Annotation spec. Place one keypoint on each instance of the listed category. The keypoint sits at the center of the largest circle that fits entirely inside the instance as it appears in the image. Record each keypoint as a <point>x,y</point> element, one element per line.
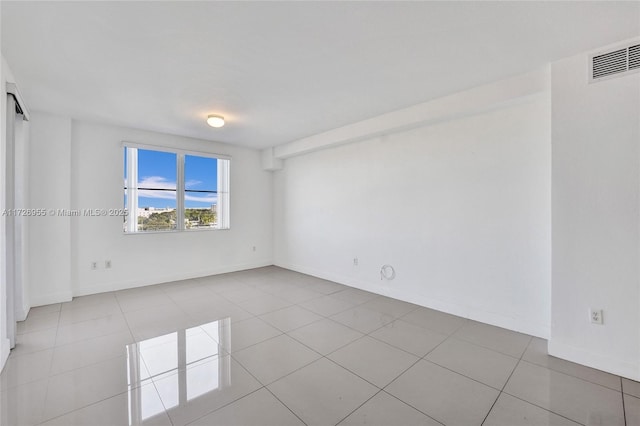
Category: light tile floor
<point>274,347</point>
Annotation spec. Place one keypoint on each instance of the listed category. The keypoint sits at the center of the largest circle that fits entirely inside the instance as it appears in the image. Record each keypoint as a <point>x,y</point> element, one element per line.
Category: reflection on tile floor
<point>274,347</point>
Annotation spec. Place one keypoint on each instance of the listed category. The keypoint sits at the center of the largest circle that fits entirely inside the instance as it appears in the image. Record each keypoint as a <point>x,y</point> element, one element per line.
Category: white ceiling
<point>282,71</point>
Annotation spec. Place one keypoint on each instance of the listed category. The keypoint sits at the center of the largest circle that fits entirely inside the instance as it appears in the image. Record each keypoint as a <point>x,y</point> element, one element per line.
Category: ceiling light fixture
<point>215,120</point>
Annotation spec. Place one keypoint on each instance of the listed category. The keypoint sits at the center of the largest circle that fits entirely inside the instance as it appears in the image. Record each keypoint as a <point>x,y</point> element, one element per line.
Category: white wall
<point>22,223</point>
<point>50,180</point>
<point>596,232</point>
<point>461,209</point>
<point>77,165</point>
<point>5,74</point>
<point>97,176</point>
<point>21,147</point>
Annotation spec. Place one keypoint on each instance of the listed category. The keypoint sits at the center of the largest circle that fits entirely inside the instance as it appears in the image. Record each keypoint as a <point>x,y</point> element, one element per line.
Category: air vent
<point>634,57</point>
<point>610,63</point>
<point>615,62</point>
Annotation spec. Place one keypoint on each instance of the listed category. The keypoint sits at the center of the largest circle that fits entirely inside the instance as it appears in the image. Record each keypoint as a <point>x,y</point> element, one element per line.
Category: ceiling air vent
<point>616,62</point>
<point>634,57</point>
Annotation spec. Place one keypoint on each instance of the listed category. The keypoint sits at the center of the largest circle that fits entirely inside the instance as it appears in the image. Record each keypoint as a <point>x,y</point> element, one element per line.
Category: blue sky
<point>157,169</point>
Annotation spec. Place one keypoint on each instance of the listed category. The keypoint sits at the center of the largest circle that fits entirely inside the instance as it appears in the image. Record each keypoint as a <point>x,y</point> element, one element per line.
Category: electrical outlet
<point>94,265</point>
<point>355,261</point>
<point>107,264</point>
<point>596,316</point>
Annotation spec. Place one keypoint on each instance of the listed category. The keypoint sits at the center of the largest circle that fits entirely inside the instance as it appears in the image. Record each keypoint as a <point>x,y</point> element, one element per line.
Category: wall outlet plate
<point>595,315</point>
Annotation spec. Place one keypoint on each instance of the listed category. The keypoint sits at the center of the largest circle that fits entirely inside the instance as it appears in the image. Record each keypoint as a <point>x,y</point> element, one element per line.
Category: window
<point>172,190</point>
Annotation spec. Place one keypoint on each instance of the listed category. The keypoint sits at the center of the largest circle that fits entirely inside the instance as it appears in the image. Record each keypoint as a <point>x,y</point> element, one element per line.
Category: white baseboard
<point>492,318</point>
<point>4,352</point>
<point>48,299</point>
<point>66,296</point>
<point>619,367</point>
<point>22,312</point>
<point>123,285</point>
<point>349,281</point>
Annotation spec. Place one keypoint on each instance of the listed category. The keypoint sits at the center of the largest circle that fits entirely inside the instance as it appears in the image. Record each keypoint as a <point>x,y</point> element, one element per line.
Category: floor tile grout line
<point>521,360</point>
<point>435,347</point>
<point>32,319</point>
<point>312,362</point>
<point>394,346</point>
<point>384,389</point>
<point>401,373</point>
<point>355,329</point>
<point>52,375</point>
<point>575,376</point>
<point>316,296</point>
<point>381,312</point>
<point>39,330</point>
<point>366,380</point>
<point>486,416</point>
<point>460,374</point>
<point>254,344</point>
<point>448,334</point>
<point>11,354</point>
<point>151,381</point>
<point>415,408</point>
<point>293,329</point>
<point>455,372</point>
<point>487,347</point>
<point>358,407</point>
<point>297,305</point>
<point>505,383</point>
<point>330,315</point>
<point>359,331</point>
<point>624,409</point>
<point>328,353</point>
<point>390,344</point>
<point>126,321</point>
<point>379,389</point>
<point>279,378</point>
<point>411,366</point>
<point>94,403</point>
<point>52,349</point>
<point>262,386</point>
<point>286,406</point>
<point>219,408</point>
<point>453,337</point>
<point>109,333</point>
<point>263,313</point>
<point>355,304</point>
<point>542,408</point>
<point>46,393</point>
<point>155,305</point>
<point>67,324</point>
<point>572,376</point>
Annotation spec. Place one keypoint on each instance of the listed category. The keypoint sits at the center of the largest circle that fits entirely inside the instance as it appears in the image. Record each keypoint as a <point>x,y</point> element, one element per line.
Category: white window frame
<point>223,189</point>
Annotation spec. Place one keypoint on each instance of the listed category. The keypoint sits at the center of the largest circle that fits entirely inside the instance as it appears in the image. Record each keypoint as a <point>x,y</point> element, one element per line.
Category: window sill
<point>176,231</point>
